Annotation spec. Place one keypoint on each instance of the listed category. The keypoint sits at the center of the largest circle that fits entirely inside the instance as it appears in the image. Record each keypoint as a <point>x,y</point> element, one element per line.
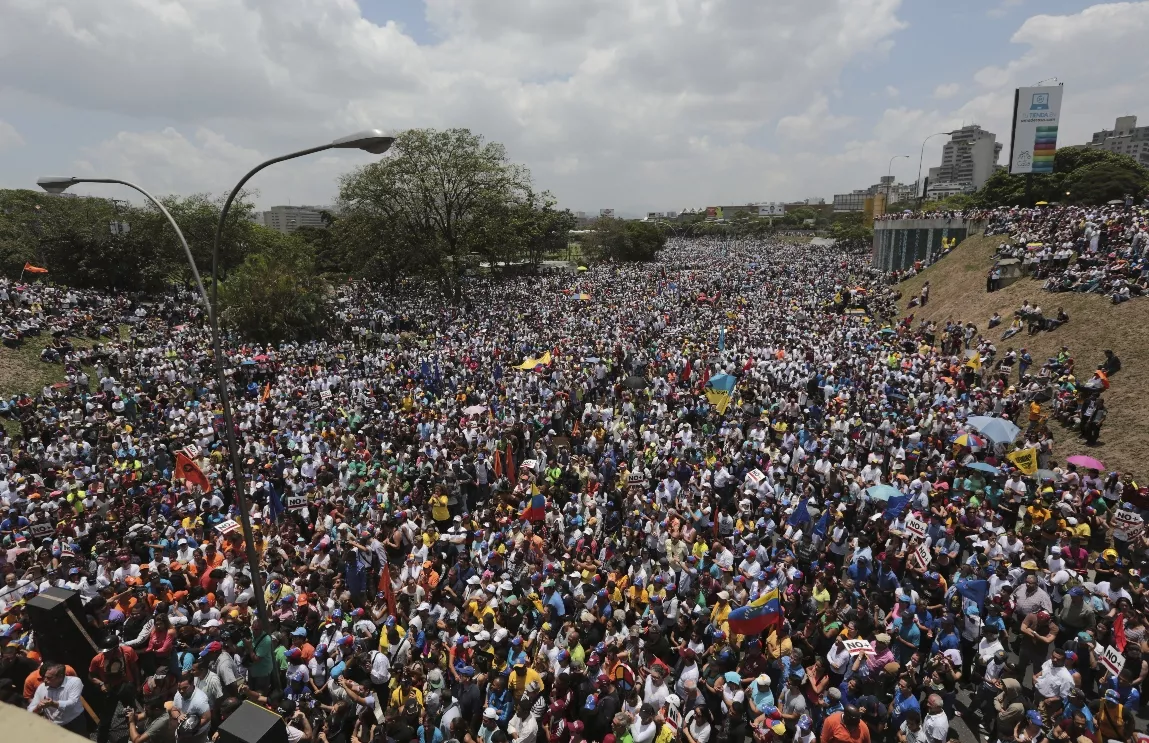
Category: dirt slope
<point>957,291</point>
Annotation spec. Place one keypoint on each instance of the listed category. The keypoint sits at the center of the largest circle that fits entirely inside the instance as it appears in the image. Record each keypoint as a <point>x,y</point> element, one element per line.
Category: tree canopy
<point>1081,175</point>
<point>439,198</point>
<point>621,240</point>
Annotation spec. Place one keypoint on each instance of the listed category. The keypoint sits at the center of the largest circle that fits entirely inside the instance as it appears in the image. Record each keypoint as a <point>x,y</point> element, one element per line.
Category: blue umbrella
<point>983,467</point>
<point>883,492</point>
<point>998,430</point>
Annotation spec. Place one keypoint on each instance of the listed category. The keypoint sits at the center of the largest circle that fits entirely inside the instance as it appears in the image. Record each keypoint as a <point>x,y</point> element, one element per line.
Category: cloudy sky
<point>632,104</point>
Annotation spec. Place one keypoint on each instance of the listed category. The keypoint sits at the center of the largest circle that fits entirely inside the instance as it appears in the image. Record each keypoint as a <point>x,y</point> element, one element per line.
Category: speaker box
<point>251,723</point>
<point>57,636</point>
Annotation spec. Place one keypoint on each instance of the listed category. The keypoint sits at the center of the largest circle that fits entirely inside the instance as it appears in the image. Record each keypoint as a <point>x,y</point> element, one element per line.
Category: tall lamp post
<point>889,171</point>
<point>922,192</point>
<point>373,141</point>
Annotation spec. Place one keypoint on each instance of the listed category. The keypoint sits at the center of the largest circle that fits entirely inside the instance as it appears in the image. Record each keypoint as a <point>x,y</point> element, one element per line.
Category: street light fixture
<point>59,184</point>
<point>921,156</point>
<point>372,140</point>
<point>889,171</point>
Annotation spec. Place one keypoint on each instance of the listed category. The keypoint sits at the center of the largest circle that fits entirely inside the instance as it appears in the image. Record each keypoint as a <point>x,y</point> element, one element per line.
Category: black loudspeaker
<point>58,637</point>
<point>251,723</point>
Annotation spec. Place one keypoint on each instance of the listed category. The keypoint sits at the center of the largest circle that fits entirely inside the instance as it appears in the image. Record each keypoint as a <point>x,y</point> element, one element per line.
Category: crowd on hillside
<point>1079,249</point>
<point>726,495</point>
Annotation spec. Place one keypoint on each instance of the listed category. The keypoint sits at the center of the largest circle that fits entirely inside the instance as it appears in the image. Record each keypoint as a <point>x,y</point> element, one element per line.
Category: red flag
<point>188,470</point>
<point>1119,633</point>
<point>29,268</point>
<point>509,466</point>
<point>498,464</point>
<point>388,589</point>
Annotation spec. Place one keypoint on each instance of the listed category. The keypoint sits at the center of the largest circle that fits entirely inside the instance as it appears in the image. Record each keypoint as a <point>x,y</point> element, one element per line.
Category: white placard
<point>858,647</point>
<point>530,463</point>
<point>39,531</point>
<point>1112,659</point>
<point>1129,522</point>
<point>325,395</point>
<point>922,555</point>
<point>916,527</point>
<point>754,477</point>
<point>295,502</point>
<point>674,717</point>
<point>226,527</point>
<point>635,478</point>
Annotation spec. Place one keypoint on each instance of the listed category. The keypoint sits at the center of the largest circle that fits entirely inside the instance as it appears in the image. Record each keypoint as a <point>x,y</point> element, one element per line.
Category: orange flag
<point>510,465</point>
<point>498,464</point>
<point>29,268</point>
<point>188,470</point>
<point>266,392</point>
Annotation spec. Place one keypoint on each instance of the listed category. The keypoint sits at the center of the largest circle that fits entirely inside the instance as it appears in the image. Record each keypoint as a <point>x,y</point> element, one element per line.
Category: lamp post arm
<point>171,220</point>
<point>231,198</point>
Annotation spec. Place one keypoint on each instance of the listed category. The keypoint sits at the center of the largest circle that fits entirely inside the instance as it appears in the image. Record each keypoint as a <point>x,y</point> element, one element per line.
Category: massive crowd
<point>539,516</point>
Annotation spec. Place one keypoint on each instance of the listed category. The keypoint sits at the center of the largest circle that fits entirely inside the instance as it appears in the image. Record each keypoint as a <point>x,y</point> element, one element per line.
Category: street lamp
<point>889,170</point>
<point>371,140</point>
<point>922,193</point>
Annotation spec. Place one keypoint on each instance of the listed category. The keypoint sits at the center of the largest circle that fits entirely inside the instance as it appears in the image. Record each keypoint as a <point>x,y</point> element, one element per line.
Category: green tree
<point>850,231</point>
<point>1088,174</point>
<point>438,196</point>
<point>624,240</point>
<point>1104,181</point>
<point>276,294</point>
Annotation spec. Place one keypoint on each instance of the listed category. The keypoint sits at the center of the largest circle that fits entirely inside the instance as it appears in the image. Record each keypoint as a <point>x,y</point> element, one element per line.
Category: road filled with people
<point>726,495</point>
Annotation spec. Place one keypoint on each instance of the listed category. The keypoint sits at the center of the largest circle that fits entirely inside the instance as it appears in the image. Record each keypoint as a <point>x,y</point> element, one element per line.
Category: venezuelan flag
<point>718,390</point>
<point>536,510</point>
<point>762,612</point>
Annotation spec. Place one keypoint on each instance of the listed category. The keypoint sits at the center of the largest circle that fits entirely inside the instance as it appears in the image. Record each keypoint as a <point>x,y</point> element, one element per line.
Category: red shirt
<point>123,669</point>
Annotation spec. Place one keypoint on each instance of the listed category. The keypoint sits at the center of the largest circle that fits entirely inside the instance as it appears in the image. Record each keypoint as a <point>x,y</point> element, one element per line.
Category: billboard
<point>772,209</point>
<point>714,212</point>
<point>652,216</point>
<point>1033,143</point>
<point>606,212</point>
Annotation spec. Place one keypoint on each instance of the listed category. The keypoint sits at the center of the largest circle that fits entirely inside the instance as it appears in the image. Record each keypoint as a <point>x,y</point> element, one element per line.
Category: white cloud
<point>635,101</point>
<point>946,90</point>
<point>812,124</point>
<point>1097,52</point>
<point>1005,7</point>
<point>891,91</point>
<point>168,162</point>
<point>9,137</point>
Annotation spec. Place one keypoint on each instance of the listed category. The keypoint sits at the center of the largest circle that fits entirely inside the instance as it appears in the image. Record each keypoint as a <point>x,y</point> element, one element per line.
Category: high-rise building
<point>1125,138</point>
<point>288,219</point>
<point>968,159</point>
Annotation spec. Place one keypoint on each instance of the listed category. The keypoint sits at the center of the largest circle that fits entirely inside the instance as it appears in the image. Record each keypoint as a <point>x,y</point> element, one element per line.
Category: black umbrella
<point>636,383</point>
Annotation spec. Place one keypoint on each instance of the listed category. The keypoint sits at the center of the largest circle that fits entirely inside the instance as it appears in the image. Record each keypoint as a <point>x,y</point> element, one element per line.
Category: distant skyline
<point>635,105</point>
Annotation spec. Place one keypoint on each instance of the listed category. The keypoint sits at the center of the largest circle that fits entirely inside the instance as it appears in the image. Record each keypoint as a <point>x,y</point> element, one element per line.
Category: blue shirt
<point>903,704</point>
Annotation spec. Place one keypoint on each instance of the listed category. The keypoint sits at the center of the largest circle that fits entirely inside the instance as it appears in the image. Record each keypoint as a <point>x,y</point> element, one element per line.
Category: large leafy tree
<point>74,237</point>
<point>1081,175</point>
<point>620,240</point>
<point>276,294</point>
<point>439,196</point>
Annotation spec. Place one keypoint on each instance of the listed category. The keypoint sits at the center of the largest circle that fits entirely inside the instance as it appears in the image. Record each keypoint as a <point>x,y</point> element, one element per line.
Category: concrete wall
<point>898,243</point>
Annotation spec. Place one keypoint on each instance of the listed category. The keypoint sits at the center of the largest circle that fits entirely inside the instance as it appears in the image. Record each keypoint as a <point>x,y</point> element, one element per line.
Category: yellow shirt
<point>518,682</point>
<point>397,700</point>
<point>439,510</point>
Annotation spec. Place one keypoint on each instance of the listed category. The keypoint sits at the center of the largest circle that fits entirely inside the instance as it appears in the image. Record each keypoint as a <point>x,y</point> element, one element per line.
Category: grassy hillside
<point>957,291</point>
